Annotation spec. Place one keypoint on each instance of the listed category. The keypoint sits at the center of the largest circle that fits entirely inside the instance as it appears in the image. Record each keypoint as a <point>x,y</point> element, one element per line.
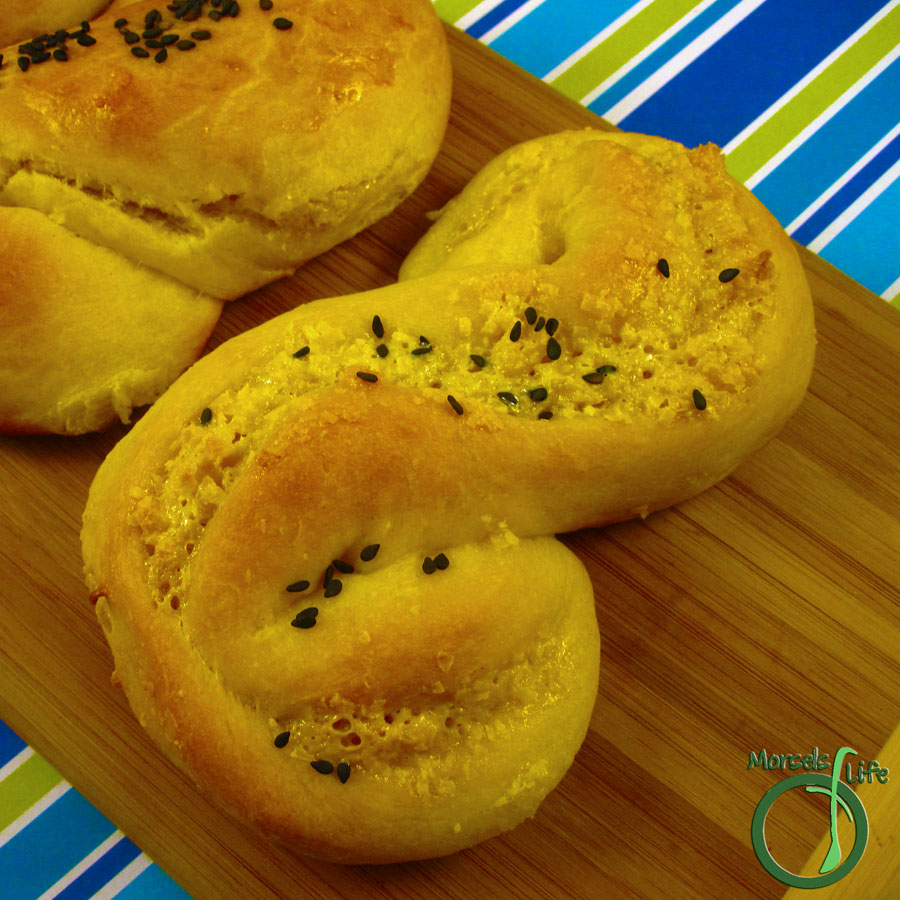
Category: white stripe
<point>473,15</point>
<point>33,812</point>
<point>21,757</point>
<point>507,23</point>
<point>785,98</point>
<point>822,118</point>
<point>892,291</point>
<point>598,38</point>
<point>638,58</point>
<point>826,195</point>
<point>682,60</point>
<point>855,208</point>
<point>123,879</point>
<point>85,864</point>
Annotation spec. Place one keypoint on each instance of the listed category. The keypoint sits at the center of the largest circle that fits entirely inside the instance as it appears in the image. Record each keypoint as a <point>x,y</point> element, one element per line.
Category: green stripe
<point>895,301</point>
<point>777,131</point>
<point>453,10</point>
<point>22,788</point>
<point>622,45</point>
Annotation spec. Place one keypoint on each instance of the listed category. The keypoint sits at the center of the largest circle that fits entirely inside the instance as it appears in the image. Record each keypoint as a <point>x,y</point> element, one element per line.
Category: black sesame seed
<point>232,9</point>
<point>306,618</point>
<point>282,24</point>
<point>553,348</point>
<point>594,377</point>
<point>206,415</point>
<point>153,44</point>
<point>343,771</point>
<point>322,766</point>
<point>377,327</point>
<point>333,587</point>
<point>530,315</point>
<point>151,33</point>
<point>727,275</point>
<point>266,4</point>
<point>40,57</point>
<point>185,44</point>
<point>421,351</point>
<point>428,566</point>
<point>85,40</point>
<point>546,414</point>
<point>342,566</point>
<point>61,55</point>
<point>457,406</point>
<point>297,587</point>
<point>215,15</point>
<point>538,326</point>
<point>606,369</point>
<point>663,266</point>
<point>167,39</point>
<point>423,340</point>
<point>515,332</point>
<point>24,62</point>
<point>699,399</point>
<point>120,23</point>
<point>508,398</point>
<point>131,37</point>
<point>382,350</point>
<point>441,562</point>
<point>161,55</point>
<point>299,354</point>
<point>52,41</point>
<point>329,574</point>
<point>152,17</point>
<point>367,554</point>
<point>552,325</point>
<point>371,377</point>
<point>479,360</point>
<point>538,394</point>
<point>282,739</point>
<point>1,60</point>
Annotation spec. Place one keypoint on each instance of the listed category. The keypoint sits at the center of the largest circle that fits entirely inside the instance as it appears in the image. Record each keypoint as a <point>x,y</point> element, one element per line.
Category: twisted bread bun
<point>534,372</point>
<point>223,161</point>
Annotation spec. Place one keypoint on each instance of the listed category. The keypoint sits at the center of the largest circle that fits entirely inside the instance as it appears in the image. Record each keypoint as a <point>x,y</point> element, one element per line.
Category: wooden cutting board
<point>763,614</point>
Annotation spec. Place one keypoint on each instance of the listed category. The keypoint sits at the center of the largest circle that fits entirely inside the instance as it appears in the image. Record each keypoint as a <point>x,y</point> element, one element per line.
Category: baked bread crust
<point>302,442</point>
<point>25,19</point>
<point>220,168</point>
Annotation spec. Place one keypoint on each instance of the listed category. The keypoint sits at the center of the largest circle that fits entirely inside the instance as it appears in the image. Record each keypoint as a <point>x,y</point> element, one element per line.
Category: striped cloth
<point>802,95</point>
<point>804,98</point>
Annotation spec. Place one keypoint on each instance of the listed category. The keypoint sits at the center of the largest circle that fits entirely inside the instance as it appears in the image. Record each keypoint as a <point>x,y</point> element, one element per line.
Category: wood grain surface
<point>763,614</point>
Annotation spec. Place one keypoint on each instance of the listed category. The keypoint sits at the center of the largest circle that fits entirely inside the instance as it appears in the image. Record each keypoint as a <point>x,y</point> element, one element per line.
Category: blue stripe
<point>496,15</point>
<point>747,70</point>
<point>96,876</point>
<point>834,148</point>
<point>862,249</point>
<point>48,847</point>
<point>153,884</point>
<point>555,30</point>
<point>672,47</point>
<point>10,744</point>
<point>854,188</point>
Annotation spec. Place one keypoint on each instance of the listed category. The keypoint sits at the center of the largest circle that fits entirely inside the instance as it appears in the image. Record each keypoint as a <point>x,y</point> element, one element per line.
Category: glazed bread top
<point>598,327</point>
<point>232,161</point>
<point>25,19</point>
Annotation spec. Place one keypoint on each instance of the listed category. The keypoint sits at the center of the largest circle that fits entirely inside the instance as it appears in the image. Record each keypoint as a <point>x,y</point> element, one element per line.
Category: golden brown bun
<point>85,334</point>
<point>458,698</point>
<point>25,19</point>
<point>230,164</point>
<point>214,171</point>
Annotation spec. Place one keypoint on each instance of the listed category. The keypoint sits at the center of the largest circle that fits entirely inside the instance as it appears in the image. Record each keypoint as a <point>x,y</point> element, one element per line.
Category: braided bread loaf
<point>217,147</point>
<point>324,559</point>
